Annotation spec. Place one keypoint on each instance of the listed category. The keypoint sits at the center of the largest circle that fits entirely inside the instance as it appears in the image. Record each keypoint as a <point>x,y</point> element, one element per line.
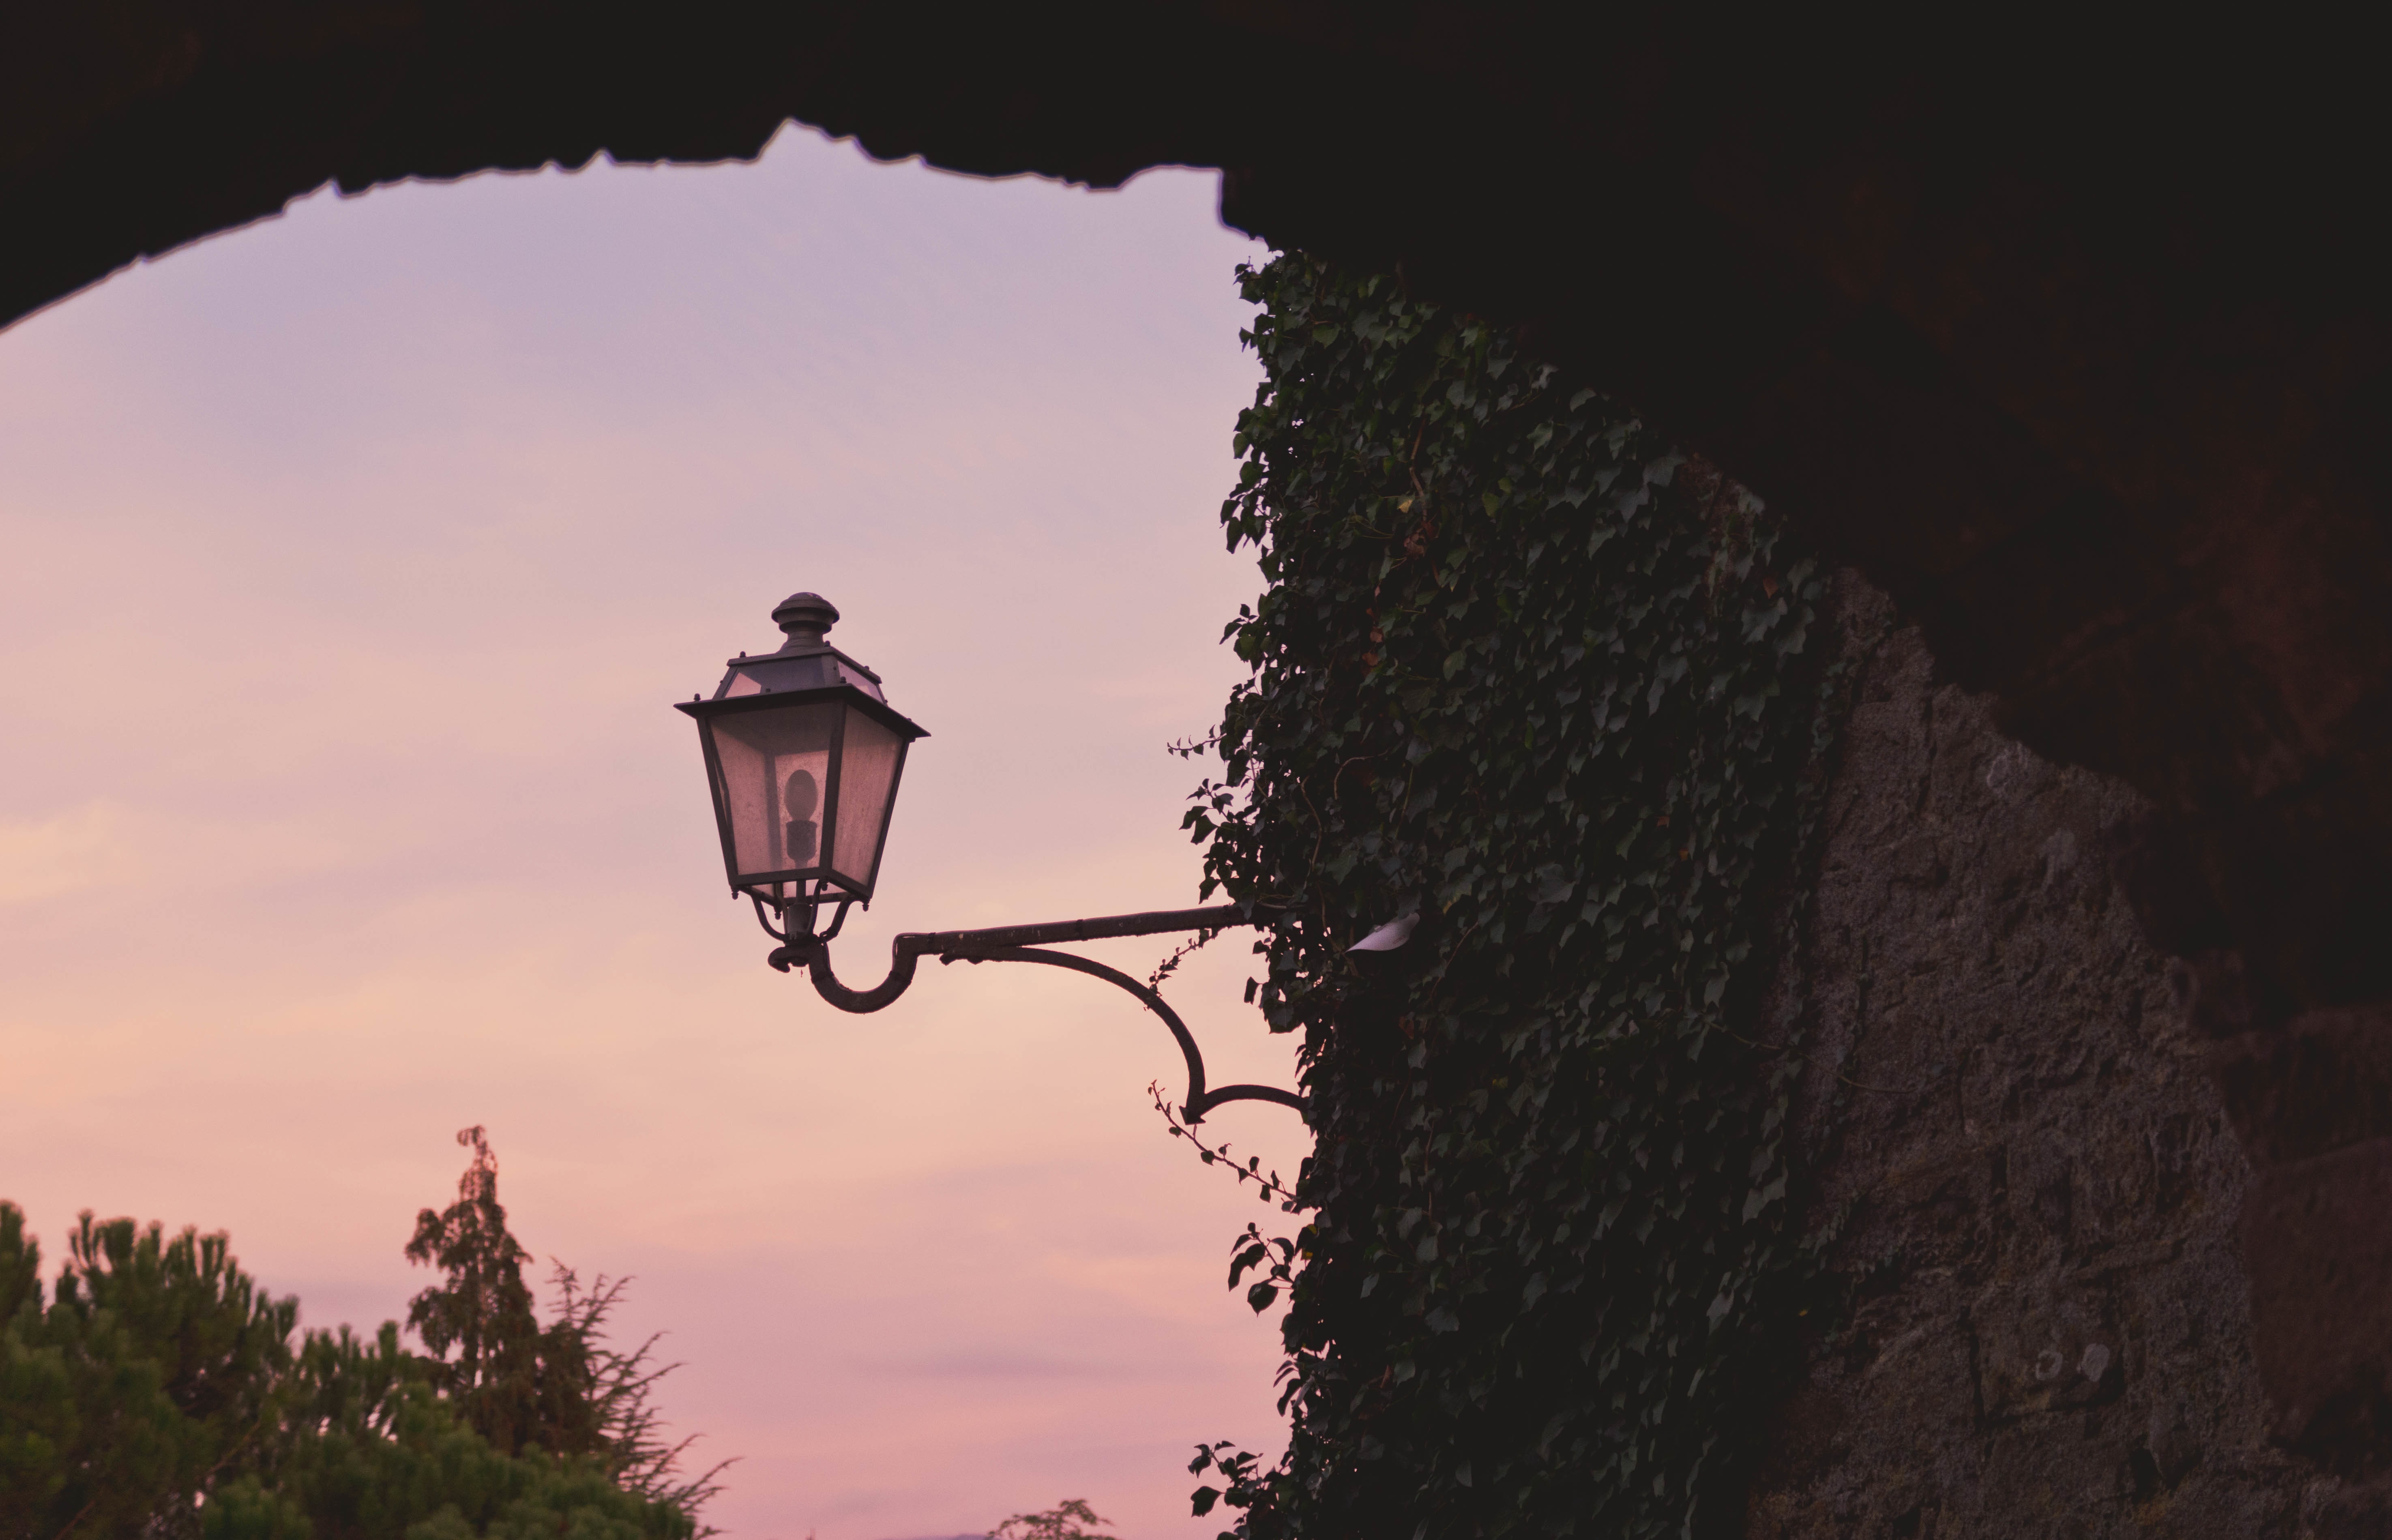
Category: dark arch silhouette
<point>2075,338</point>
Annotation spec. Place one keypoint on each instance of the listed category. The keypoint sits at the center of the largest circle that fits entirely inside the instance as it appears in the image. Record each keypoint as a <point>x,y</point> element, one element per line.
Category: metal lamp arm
<point>826,984</point>
<point>1025,944</point>
<point>1200,1101</point>
<point>812,952</point>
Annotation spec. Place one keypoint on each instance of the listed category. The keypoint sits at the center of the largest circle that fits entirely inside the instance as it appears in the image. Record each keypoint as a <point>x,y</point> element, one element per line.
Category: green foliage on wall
<point>1525,672</point>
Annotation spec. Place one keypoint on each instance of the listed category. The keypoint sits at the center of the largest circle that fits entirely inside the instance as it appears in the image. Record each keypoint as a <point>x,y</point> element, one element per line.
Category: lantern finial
<point>804,617</point>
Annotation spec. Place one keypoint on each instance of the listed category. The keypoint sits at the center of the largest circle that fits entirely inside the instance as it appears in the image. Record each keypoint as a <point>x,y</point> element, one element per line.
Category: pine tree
<point>151,1370</point>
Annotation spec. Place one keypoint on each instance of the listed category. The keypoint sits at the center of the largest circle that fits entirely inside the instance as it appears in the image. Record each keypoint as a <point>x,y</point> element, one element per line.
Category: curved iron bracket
<point>1023,944</point>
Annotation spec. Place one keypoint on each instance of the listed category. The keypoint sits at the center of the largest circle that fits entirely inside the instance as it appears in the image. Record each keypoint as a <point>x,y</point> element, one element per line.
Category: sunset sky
<point>351,563</point>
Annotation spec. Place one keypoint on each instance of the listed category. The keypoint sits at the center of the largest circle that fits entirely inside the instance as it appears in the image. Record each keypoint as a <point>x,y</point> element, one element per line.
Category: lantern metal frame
<point>823,876</point>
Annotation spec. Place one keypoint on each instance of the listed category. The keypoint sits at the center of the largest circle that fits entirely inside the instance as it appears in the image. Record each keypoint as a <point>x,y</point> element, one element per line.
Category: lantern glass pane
<point>776,771</point>
<point>867,775</point>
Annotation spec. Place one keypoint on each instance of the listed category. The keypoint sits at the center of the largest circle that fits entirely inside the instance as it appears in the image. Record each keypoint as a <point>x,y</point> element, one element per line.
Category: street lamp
<point>803,755</point>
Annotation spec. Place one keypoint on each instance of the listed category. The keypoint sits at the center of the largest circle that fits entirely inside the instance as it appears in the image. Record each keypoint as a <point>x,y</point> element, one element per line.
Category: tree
<point>1060,1522</point>
<point>371,1451</point>
<point>150,1371</point>
<point>621,1388</point>
<point>155,1389</point>
<point>563,1388</point>
<point>517,1384</point>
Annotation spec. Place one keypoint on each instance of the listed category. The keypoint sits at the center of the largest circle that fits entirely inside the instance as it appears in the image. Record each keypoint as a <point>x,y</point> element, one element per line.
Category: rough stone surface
<point>2042,1199</point>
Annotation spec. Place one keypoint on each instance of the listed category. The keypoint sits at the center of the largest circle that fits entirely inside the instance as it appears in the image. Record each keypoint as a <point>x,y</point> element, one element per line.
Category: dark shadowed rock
<point>2110,1274</point>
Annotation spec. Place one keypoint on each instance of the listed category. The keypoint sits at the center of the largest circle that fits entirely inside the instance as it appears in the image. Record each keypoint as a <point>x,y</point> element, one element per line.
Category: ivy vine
<point>1525,672</point>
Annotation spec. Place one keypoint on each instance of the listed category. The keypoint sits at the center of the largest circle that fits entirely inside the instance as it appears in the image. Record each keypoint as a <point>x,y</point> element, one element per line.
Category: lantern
<point>803,755</point>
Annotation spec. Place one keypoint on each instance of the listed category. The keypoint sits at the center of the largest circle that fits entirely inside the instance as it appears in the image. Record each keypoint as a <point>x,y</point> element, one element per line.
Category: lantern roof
<point>804,662</point>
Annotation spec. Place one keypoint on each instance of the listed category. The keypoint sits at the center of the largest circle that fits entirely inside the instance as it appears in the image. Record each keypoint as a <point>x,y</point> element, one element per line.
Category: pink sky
<point>350,564</point>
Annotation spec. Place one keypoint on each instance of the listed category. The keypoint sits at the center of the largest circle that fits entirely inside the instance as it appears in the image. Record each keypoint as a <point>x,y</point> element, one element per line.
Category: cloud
<point>87,848</point>
<point>109,844</point>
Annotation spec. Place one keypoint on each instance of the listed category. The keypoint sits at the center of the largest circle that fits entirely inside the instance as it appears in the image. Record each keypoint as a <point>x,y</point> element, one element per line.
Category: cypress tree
<point>516,1384</point>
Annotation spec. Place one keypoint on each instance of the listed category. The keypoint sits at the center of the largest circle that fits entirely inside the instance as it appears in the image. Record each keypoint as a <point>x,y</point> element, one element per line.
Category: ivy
<point>1526,673</point>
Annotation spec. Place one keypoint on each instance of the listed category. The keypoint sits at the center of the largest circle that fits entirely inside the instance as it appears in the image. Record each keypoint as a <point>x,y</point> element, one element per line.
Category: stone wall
<point>2040,1197</point>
